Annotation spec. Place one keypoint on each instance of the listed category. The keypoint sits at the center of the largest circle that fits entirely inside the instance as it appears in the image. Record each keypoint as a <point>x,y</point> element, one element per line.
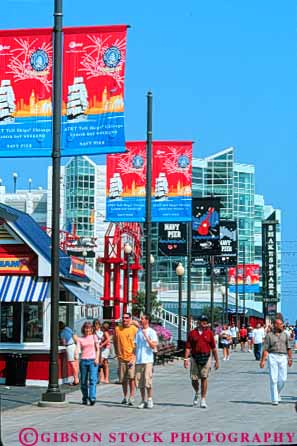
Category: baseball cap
<point>203,317</point>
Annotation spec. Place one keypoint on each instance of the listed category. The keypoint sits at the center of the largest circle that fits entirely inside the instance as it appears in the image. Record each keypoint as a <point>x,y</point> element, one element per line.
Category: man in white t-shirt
<point>258,339</point>
<point>146,341</point>
<point>234,334</point>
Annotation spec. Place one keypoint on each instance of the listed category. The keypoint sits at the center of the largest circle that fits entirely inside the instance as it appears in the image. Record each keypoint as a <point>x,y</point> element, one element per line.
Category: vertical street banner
<point>248,278</point>
<point>228,243</point>
<point>93,90</point>
<point>172,239</point>
<point>26,60</point>
<point>269,260</point>
<point>125,184</point>
<point>172,181</point>
<point>206,226</point>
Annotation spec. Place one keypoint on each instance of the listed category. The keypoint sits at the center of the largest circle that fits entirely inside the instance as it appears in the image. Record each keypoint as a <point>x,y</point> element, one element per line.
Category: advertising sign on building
<point>228,242</point>
<point>248,277</point>
<point>171,183</point>
<point>77,267</point>
<point>172,239</point>
<point>206,226</point>
<point>93,89</point>
<point>269,268</point>
<point>17,265</point>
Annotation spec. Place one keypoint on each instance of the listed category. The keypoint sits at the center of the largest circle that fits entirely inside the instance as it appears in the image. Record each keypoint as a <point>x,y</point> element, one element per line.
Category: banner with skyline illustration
<point>93,91</point>
<point>171,182</point>
<point>248,278</point>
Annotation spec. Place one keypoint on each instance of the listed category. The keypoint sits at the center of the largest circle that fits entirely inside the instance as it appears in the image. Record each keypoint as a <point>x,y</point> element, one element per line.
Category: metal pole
<point>189,275</point>
<point>243,282</point>
<point>226,295</point>
<point>148,204</point>
<point>1,442</point>
<point>179,337</point>
<point>236,280</point>
<point>53,393</point>
<point>212,291</point>
<point>128,281</point>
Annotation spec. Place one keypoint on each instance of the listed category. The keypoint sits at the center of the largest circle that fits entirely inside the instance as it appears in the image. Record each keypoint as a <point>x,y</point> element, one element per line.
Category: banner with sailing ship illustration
<point>125,184</point>
<point>93,91</point>
<point>25,92</point>
<point>171,182</point>
<point>206,226</point>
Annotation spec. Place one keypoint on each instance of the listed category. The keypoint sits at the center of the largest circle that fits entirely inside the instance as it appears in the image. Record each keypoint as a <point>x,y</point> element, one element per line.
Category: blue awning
<point>83,296</point>
<point>23,289</point>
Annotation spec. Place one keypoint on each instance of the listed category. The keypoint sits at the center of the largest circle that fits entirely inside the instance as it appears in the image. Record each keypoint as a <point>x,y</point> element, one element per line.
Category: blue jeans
<point>258,351</point>
<point>88,378</point>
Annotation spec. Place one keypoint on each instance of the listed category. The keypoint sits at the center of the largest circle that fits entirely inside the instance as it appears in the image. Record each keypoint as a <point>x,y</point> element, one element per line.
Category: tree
<point>138,306</point>
<point>217,313</point>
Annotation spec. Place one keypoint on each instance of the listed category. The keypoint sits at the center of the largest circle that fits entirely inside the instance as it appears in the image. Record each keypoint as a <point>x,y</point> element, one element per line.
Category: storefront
<point>25,271</point>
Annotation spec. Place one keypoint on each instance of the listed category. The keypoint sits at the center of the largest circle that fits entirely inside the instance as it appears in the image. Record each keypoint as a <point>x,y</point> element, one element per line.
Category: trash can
<point>16,369</point>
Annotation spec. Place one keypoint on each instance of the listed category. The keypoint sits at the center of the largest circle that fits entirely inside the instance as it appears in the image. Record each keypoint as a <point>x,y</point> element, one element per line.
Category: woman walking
<point>88,345</point>
<point>105,352</point>
<point>226,339</point>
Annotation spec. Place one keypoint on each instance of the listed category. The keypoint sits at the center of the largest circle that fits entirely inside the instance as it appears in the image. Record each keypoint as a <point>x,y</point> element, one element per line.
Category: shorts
<point>243,339</point>
<point>225,345</point>
<point>199,371</point>
<point>144,375</point>
<point>126,373</point>
<point>234,341</point>
<point>105,353</point>
<point>70,350</point>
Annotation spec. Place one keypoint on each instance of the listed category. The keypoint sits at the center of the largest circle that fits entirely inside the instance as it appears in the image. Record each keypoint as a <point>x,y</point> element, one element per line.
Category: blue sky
<point>222,73</point>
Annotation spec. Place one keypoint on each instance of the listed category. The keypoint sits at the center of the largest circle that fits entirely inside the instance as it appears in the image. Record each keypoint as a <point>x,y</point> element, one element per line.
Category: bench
<point>166,353</point>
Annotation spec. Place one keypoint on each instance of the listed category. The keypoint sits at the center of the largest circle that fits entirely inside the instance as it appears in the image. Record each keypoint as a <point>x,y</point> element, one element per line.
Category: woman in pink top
<point>89,361</point>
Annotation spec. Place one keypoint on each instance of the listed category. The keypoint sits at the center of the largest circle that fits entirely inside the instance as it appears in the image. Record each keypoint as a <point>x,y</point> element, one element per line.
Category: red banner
<point>171,182</point>
<point>248,275</point>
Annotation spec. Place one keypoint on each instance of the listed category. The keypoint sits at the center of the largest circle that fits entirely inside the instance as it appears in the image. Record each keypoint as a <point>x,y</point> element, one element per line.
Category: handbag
<point>201,358</point>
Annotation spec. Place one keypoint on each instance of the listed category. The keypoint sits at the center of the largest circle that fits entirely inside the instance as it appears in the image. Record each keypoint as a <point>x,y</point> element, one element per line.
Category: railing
<point>172,318</point>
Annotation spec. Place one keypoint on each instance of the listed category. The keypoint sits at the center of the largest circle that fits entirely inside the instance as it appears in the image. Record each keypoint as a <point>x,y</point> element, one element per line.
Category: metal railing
<point>172,318</point>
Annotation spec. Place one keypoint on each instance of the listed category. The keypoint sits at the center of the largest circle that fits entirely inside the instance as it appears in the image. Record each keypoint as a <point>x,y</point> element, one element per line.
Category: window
<point>33,323</point>
<point>14,316</point>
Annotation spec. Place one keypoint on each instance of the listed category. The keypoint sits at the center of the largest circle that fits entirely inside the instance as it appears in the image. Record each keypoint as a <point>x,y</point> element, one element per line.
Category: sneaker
<point>275,403</point>
<point>228,358</point>
<point>195,400</point>
<point>85,402</point>
<point>279,398</point>
<point>130,402</point>
<point>142,405</point>
<point>92,402</point>
<point>124,401</point>
<point>203,404</point>
<point>150,404</point>
<point>224,359</point>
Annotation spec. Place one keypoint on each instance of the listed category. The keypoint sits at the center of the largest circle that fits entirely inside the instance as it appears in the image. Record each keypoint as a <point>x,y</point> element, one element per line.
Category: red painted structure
<point>115,261</point>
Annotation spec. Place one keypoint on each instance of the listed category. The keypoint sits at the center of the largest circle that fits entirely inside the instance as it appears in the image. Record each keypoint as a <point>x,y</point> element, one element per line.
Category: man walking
<point>146,341</point>
<point>124,344</point>
<point>234,333</point>
<point>277,349</point>
<point>258,337</point>
<point>200,344</point>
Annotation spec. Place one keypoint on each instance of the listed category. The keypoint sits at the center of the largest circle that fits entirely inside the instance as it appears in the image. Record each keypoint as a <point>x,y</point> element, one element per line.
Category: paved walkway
<point>238,402</point>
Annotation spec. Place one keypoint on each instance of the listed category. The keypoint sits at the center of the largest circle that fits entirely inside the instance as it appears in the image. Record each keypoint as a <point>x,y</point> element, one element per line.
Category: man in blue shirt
<point>146,341</point>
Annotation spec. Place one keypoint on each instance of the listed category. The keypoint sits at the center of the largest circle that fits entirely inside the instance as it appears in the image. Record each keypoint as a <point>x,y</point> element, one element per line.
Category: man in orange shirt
<point>124,344</point>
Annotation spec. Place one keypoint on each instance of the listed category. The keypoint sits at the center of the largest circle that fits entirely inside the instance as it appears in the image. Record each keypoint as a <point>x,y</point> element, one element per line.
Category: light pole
<point>15,177</point>
<point>223,293</point>
<point>30,184</point>
<point>180,271</point>
<point>128,252</point>
<point>243,281</point>
<point>148,204</point>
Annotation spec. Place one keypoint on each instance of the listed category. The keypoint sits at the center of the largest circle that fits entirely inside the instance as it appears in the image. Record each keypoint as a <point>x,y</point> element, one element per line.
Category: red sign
<point>248,274</point>
<point>17,265</point>
<point>77,267</point>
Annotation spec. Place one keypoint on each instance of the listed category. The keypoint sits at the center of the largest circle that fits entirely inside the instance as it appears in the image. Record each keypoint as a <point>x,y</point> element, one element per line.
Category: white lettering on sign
<point>171,226</point>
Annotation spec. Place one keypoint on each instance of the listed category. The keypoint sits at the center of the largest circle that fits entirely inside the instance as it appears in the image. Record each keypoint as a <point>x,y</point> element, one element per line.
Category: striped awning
<point>23,289</point>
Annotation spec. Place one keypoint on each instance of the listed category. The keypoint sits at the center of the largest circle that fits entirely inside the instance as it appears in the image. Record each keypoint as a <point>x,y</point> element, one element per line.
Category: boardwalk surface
<point>238,403</point>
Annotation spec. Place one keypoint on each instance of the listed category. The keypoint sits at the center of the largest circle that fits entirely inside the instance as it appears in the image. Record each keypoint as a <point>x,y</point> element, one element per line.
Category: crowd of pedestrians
<point>135,343</point>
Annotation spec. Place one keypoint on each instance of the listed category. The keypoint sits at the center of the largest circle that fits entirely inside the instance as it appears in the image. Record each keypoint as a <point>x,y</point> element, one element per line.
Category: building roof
<point>38,239</point>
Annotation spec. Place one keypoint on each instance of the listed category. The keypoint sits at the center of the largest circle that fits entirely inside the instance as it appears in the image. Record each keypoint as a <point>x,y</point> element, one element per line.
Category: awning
<point>80,294</point>
<point>23,289</point>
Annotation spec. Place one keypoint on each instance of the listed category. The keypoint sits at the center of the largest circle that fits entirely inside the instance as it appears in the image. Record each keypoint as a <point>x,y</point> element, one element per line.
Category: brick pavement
<point>238,401</point>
